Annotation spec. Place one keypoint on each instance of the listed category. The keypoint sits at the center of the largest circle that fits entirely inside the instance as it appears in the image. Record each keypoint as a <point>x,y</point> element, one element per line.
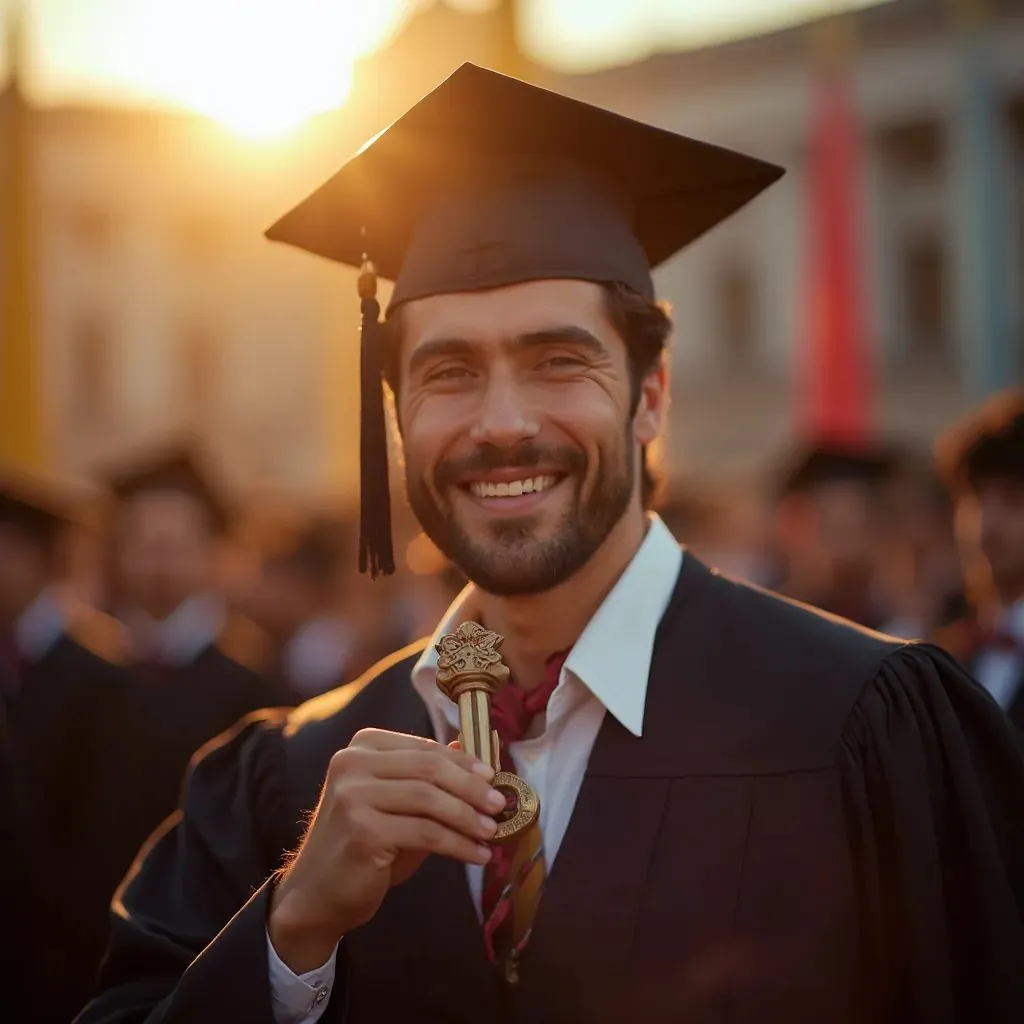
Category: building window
<point>923,283</point>
<point>201,357</point>
<point>1016,117</point>
<point>735,300</point>
<point>91,381</point>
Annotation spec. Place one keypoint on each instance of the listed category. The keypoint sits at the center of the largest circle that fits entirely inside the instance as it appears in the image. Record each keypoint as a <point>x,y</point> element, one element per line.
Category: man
<point>296,601</point>
<point>193,662</point>
<point>59,687</point>
<point>982,460</point>
<point>747,809</point>
<point>828,524</point>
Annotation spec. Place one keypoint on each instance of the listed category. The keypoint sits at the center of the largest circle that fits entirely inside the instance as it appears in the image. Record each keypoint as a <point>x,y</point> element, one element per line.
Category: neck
<point>535,626</point>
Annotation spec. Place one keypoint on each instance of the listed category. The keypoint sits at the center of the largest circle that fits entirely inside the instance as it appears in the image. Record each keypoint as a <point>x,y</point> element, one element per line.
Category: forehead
<point>162,510</point>
<point>501,313</point>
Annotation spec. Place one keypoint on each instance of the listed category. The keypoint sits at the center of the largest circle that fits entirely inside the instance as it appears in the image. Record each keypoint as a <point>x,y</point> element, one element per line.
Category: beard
<point>512,560</point>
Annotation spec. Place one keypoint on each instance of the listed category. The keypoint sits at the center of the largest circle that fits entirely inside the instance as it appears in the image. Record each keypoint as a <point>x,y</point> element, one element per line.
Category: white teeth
<point>512,489</point>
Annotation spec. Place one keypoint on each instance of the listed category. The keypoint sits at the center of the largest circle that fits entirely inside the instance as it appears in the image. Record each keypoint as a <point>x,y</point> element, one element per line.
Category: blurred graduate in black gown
<point>59,687</point>
<point>982,461</point>
<point>194,662</point>
<point>829,529</point>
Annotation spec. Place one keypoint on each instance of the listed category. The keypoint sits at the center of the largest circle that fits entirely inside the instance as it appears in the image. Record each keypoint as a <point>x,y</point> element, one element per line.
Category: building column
<point>982,221</point>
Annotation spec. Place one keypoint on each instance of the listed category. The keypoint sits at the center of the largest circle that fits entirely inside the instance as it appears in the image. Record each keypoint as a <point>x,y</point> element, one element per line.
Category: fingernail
<point>487,825</point>
<point>484,853</point>
<point>496,799</point>
<point>483,769</point>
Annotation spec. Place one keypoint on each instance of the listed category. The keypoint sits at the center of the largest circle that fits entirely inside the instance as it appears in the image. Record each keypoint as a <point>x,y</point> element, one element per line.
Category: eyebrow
<point>578,337</point>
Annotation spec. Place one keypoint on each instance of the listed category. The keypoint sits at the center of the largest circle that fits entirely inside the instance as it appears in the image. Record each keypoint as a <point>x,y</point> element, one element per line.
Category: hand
<point>388,801</point>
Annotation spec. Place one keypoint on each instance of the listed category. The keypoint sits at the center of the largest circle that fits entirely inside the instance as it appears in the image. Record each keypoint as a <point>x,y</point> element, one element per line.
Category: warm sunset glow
<point>260,67</point>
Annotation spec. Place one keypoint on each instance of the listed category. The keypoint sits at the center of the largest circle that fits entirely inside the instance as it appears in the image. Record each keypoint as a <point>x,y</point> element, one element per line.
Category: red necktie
<point>515,869</point>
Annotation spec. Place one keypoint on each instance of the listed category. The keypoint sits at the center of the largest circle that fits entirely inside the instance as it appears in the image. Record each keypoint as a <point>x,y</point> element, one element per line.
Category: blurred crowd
<point>133,632</point>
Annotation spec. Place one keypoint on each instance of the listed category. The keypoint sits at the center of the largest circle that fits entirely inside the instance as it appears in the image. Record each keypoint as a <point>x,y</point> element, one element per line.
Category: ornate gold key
<point>469,671</point>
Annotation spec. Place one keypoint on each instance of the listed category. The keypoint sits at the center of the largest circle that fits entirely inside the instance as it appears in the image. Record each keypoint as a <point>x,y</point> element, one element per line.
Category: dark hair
<point>644,326</point>
<point>987,445</point>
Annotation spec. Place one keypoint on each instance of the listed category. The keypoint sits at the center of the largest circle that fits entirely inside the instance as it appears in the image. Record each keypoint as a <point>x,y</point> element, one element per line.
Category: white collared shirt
<point>1000,671</point>
<point>192,627</point>
<point>41,624</point>
<point>606,672</point>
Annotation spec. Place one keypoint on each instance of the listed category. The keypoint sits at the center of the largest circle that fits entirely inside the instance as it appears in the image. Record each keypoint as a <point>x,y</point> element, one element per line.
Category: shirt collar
<point>612,656</point>
<point>41,625</point>
<point>1012,620</point>
<point>193,626</point>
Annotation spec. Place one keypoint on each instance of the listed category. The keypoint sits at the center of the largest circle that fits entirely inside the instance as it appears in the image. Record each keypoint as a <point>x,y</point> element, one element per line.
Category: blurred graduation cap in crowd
<point>489,181</point>
<point>987,444</point>
<point>177,467</point>
<point>314,551</point>
<point>818,465</point>
<point>38,507</point>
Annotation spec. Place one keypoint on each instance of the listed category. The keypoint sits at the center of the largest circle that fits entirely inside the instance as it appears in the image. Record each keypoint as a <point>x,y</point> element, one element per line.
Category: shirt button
<point>321,995</point>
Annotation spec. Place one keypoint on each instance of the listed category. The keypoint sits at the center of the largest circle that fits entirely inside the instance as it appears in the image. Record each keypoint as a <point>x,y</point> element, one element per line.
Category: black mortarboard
<point>987,444</point>
<point>315,552</point>
<point>177,469</point>
<point>489,181</point>
<point>38,509</point>
<point>820,465</point>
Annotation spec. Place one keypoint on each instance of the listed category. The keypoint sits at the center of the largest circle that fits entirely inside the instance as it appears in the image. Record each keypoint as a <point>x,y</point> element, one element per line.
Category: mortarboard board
<point>823,464</point>
<point>39,508</point>
<point>489,181</point>
<point>177,468</point>
<point>986,444</point>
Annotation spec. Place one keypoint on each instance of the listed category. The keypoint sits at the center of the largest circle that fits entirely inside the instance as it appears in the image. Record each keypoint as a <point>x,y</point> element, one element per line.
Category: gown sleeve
<point>933,777</point>
<point>188,932</point>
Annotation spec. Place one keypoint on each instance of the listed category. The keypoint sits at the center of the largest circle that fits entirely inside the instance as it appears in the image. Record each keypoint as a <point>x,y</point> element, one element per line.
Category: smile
<point>511,488</point>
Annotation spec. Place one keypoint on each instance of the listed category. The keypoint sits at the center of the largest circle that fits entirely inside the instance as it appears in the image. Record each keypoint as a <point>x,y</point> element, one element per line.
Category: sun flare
<point>260,67</point>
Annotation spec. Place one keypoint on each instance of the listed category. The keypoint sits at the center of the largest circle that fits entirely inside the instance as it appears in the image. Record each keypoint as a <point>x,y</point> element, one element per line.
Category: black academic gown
<point>961,638</point>
<point>60,879</point>
<point>168,715</point>
<point>818,824</point>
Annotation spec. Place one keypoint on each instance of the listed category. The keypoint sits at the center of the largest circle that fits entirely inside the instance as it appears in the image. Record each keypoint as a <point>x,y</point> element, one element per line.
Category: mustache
<point>525,455</point>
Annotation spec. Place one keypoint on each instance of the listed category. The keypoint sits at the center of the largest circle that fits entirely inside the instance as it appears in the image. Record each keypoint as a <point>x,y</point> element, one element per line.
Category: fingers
<point>423,800</point>
<point>403,832</point>
<point>382,740</point>
<point>425,766</point>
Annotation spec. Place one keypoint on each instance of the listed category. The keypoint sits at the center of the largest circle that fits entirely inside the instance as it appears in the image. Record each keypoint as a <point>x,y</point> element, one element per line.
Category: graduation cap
<point>175,469</point>
<point>987,444</point>
<point>37,508</point>
<point>823,464</point>
<point>489,181</point>
<point>315,552</point>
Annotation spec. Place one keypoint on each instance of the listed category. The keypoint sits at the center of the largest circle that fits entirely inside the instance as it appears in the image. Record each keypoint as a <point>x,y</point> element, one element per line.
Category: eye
<point>560,362</point>
<point>448,373</point>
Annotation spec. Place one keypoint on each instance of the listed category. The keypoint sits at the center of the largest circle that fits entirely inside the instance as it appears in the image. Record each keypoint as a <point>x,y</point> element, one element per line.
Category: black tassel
<point>376,554</point>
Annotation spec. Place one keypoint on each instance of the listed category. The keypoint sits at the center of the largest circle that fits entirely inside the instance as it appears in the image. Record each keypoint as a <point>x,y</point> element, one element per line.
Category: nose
<point>506,415</point>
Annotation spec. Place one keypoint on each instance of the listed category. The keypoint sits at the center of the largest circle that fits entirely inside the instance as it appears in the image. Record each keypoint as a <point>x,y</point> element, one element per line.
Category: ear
<point>652,408</point>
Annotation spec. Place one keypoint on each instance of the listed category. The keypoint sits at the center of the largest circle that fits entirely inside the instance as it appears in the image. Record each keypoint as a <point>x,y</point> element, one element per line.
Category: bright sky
<point>261,66</point>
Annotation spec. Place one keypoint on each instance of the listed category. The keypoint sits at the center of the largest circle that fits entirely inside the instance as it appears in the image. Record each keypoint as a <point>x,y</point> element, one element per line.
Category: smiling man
<point>748,809</point>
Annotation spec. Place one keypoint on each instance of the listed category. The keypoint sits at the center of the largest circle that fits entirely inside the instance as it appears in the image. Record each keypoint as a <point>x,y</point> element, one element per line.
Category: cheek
<point>589,415</point>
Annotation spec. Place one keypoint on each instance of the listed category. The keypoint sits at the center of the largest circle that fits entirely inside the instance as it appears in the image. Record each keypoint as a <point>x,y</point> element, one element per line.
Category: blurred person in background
<point>195,663</point>
<point>982,460</point>
<point>728,528</point>
<point>828,525</point>
<point>430,587</point>
<point>297,601</point>
<point>918,575</point>
<point>59,687</point>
